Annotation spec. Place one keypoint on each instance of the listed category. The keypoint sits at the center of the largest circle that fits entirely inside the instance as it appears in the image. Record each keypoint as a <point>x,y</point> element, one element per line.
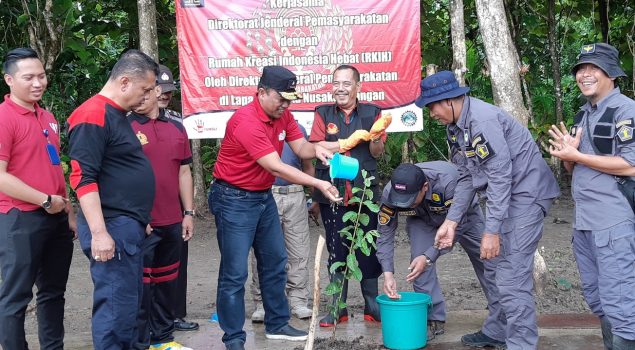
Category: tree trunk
<point>459,55</point>
<point>503,59</point>
<point>603,9</point>
<point>555,67</point>
<point>148,40</point>
<point>45,31</point>
<point>200,198</point>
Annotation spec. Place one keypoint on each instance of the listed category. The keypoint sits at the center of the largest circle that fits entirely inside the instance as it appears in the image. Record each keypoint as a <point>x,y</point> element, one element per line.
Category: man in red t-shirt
<point>165,143</point>
<point>245,210</point>
<point>36,242</point>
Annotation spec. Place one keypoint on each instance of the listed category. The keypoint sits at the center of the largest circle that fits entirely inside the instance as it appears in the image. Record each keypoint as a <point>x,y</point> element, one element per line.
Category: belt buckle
<point>283,190</point>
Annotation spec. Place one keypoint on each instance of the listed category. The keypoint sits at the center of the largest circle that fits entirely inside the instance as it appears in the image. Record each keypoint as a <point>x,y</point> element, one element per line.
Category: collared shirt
<point>23,146</point>
<point>106,157</point>
<point>165,143</point>
<point>498,156</point>
<point>290,158</point>
<point>598,202</point>
<point>442,180</point>
<point>251,134</point>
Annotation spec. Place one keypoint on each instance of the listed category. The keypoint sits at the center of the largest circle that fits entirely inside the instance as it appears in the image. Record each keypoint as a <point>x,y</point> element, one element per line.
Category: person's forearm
<point>186,187</point>
<point>376,148</point>
<point>613,165</point>
<point>16,188</point>
<point>293,175</point>
<point>331,146</point>
<point>91,209</point>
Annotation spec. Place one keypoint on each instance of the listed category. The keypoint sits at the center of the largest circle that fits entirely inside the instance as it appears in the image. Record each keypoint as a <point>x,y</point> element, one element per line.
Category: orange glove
<point>380,126</point>
<point>353,140</point>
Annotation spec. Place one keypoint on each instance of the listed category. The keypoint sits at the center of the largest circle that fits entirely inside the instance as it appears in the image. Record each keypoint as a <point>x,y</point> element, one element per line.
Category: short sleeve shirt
<point>24,136</point>
<point>251,134</point>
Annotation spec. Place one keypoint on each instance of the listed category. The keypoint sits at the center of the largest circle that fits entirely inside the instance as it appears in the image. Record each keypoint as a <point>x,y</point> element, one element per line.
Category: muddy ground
<point>461,288</point>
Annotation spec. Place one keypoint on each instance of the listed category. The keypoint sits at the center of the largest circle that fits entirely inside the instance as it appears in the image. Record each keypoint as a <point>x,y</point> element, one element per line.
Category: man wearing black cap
<point>599,148</point>
<point>165,80</point>
<point>423,193</point>
<point>245,210</point>
<point>497,157</point>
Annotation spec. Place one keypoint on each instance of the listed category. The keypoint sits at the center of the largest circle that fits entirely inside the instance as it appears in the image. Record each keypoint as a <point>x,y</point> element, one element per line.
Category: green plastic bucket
<point>404,322</point>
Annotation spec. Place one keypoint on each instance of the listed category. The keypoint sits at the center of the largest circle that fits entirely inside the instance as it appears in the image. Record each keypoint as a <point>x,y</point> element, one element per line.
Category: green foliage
<point>357,240</point>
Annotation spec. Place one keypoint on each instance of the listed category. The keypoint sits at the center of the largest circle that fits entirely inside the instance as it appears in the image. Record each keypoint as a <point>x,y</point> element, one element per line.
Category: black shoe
<point>435,328</point>
<point>235,346</point>
<point>181,324</point>
<point>287,333</point>
<point>480,340</point>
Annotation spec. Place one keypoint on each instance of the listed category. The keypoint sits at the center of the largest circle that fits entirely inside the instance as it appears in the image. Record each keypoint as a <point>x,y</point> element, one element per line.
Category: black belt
<point>227,184</point>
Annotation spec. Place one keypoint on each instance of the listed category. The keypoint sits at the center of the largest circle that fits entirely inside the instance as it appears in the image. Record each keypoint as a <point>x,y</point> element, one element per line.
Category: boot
<point>370,292</point>
<point>620,343</point>
<point>329,320</point>
<point>607,334</point>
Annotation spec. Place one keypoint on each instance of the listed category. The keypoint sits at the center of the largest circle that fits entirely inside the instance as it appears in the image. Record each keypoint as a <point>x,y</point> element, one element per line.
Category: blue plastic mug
<point>343,167</point>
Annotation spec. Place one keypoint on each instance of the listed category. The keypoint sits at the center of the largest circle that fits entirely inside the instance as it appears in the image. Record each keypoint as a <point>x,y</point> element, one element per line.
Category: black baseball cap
<point>603,56</point>
<point>405,184</point>
<point>165,79</point>
<point>282,80</point>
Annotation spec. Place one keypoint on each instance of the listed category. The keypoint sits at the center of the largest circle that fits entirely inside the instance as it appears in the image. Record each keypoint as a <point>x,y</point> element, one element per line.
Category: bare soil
<point>461,289</point>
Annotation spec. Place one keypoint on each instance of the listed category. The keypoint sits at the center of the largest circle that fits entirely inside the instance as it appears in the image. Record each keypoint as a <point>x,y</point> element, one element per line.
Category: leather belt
<point>287,189</point>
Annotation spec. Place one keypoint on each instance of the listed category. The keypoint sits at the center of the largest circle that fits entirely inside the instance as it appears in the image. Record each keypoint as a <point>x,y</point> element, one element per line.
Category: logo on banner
<point>409,118</point>
<point>199,125</point>
<point>192,3</point>
<point>301,39</point>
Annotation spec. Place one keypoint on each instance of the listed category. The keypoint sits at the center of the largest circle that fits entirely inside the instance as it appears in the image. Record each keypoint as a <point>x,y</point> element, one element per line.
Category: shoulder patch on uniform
<point>625,131</point>
<point>410,212</point>
<point>383,218</point>
<point>469,153</point>
<point>386,209</point>
<point>448,203</point>
<point>482,148</point>
<point>437,197</point>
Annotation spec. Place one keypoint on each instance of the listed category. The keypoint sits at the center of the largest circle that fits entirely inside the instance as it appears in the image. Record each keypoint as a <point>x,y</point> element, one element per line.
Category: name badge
<point>52,152</point>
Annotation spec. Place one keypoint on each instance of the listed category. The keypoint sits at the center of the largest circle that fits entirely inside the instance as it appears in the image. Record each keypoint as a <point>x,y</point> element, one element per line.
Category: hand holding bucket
<point>343,167</point>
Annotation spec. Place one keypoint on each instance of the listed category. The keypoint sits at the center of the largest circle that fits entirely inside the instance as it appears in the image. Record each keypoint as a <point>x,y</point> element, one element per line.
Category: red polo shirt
<point>250,134</point>
<point>23,147</point>
<point>165,143</point>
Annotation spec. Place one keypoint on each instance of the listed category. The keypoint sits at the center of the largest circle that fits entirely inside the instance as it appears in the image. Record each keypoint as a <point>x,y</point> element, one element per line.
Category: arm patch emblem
<point>482,148</point>
<point>384,218</point>
<point>625,131</point>
<point>386,209</point>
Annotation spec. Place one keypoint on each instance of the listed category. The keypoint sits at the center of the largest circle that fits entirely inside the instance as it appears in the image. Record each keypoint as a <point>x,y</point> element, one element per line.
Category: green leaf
<point>340,305</point>
<point>335,266</point>
<point>22,19</point>
<point>369,193</point>
<point>333,288</point>
<point>366,182</point>
<point>364,219</point>
<point>357,274</point>
<point>351,261</point>
<point>364,173</point>
<point>372,206</point>
<point>365,249</point>
<point>349,216</point>
<point>354,200</point>
<point>356,189</point>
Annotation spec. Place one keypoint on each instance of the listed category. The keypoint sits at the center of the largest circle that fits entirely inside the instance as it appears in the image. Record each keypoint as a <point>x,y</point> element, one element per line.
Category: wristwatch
<point>188,212</point>
<point>428,261</point>
<point>47,203</point>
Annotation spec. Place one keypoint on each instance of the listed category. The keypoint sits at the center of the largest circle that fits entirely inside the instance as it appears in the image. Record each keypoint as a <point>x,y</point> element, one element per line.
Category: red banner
<point>223,46</point>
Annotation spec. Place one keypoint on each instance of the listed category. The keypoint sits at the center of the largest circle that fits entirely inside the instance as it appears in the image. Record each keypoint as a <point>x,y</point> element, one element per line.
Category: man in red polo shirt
<point>165,143</point>
<point>245,210</point>
<point>36,244</point>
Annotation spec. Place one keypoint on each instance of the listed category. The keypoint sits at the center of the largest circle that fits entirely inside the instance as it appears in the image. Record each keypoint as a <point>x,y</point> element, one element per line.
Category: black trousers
<point>180,310</point>
<point>35,248</point>
<point>161,261</point>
